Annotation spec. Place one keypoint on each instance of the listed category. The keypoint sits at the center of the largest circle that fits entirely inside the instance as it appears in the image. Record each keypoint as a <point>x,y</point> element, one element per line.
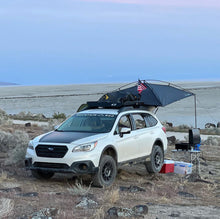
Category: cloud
<point>178,3</point>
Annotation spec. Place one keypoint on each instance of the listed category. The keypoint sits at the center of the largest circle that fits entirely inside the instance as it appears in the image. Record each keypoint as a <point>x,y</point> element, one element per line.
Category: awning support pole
<point>195,111</point>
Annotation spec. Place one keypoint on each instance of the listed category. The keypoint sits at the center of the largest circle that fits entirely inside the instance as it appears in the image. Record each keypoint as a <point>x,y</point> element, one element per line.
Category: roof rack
<point>129,105</point>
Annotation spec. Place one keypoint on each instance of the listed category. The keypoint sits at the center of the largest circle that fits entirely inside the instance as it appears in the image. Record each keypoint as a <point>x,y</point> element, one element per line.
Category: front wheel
<point>107,172</point>
<point>40,174</point>
<point>156,160</point>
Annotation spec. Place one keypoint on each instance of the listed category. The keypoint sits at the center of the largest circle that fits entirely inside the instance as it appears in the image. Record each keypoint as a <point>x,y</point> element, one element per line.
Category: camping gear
<point>182,167</point>
<point>152,95</point>
<point>196,147</point>
<point>182,146</point>
<point>194,140</point>
<point>168,166</point>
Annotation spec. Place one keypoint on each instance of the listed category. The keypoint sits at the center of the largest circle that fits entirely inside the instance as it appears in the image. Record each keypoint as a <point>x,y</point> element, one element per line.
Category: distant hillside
<point>6,83</point>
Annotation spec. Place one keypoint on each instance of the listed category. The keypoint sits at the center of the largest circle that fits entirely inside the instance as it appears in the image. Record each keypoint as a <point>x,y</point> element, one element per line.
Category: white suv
<point>97,142</point>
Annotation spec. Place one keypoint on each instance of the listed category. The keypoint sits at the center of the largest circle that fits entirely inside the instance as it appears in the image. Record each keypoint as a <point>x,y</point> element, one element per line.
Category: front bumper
<point>77,168</point>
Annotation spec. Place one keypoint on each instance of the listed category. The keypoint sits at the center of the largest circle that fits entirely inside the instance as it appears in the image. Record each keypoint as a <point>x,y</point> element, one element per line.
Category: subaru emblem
<point>51,149</point>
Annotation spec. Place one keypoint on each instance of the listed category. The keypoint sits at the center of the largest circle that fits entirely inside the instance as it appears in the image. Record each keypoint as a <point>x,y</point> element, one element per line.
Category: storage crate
<point>182,167</point>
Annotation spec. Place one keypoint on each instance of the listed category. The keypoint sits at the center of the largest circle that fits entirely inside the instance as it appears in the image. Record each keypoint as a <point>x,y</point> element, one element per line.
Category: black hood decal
<point>65,137</point>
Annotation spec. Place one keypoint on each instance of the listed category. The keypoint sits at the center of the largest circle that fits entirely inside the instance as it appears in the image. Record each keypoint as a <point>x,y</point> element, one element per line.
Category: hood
<point>65,137</point>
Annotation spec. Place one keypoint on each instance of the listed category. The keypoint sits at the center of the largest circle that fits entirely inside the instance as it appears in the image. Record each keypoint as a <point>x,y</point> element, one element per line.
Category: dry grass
<point>112,196</point>
<point>78,189</point>
<point>3,177</point>
<point>99,214</point>
<point>6,207</point>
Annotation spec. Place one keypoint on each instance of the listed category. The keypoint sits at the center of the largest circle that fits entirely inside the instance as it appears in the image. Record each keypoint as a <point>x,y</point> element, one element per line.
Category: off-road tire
<point>156,160</point>
<point>107,172</point>
<point>40,174</point>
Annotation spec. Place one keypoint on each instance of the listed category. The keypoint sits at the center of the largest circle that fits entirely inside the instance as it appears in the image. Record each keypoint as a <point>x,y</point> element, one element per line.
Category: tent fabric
<point>153,95</point>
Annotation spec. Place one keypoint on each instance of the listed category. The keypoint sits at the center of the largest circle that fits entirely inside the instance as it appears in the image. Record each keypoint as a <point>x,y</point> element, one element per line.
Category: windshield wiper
<point>57,130</point>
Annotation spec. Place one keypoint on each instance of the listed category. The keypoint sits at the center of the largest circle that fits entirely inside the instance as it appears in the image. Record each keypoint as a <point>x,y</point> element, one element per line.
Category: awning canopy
<point>152,94</point>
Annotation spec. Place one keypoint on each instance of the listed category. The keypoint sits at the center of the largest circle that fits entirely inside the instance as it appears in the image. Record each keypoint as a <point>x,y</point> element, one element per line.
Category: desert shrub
<point>212,141</point>
<point>112,196</point>
<point>14,144</point>
<point>29,116</point>
<point>184,126</point>
<point>4,119</point>
<point>79,189</point>
<point>59,116</point>
<point>211,131</point>
<point>180,128</point>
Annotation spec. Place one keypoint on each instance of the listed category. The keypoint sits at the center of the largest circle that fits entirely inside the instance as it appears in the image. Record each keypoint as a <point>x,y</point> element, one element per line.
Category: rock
<point>112,212</point>
<point>175,214</point>
<point>45,213</point>
<point>204,164</point>
<point>171,140</point>
<point>132,189</point>
<point>140,209</point>
<point>186,194</point>
<point>211,173</point>
<point>15,189</point>
<point>218,125</point>
<point>210,125</point>
<point>136,211</point>
<point>29,194</point>
<point>28,124</point>
<point>169,124</point>
<point>86,203</point>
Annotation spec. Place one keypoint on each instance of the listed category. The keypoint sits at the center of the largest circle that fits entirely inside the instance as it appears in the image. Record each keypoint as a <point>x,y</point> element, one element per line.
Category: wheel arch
<point>110,150</point>
<point>159,142</point>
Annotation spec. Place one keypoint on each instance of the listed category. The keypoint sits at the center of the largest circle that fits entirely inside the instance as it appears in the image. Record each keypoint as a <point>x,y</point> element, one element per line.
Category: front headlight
<point>85,147</point>
<point>31,145</point>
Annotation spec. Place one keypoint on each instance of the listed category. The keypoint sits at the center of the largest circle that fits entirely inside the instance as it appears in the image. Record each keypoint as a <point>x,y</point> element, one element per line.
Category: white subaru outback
<point>97,142</point>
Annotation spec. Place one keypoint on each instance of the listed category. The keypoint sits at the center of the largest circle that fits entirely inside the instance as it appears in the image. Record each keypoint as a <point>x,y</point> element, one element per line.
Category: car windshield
<point>88,122</point>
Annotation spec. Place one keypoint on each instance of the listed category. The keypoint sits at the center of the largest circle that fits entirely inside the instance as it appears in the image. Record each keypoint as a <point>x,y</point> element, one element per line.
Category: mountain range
<point>6,83</point>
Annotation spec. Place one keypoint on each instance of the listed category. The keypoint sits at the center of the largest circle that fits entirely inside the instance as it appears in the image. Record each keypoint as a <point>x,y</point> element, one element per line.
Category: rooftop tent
<point>152,94</point>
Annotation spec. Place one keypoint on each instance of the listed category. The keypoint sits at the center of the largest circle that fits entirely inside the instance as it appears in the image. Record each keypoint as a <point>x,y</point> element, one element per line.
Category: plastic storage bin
<point>182,167</point>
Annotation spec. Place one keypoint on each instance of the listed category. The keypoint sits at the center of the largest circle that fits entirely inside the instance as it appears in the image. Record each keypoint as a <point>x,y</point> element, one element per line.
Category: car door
<point>144,133</point>
<point>126,146</point>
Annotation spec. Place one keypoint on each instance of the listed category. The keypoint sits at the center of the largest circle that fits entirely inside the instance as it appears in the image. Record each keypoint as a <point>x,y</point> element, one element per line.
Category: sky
<point>46,42</point>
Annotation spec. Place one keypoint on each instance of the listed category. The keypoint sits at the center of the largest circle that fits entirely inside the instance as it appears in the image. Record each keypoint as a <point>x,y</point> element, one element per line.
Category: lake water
<point>67,99</point>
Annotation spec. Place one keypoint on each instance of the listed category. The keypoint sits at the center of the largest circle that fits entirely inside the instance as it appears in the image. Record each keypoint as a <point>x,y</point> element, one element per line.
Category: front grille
<point>51,165</point>
<point>55,151</point>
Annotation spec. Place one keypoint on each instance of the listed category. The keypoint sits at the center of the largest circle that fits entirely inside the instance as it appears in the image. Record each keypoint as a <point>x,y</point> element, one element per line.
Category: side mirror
<point>124,130</point>
<point>56,127</point>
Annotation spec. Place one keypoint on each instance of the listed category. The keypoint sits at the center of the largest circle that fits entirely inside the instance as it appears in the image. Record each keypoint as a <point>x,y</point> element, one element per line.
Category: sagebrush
<point>14,144</point>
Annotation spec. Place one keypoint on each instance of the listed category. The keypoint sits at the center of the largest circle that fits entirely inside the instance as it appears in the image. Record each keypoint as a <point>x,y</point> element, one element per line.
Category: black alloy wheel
<point>156,160</point>
<point>107,172</point>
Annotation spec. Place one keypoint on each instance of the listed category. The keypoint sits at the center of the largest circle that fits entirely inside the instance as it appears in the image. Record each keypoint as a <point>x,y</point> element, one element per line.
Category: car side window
<point>150,120</point>
<point>139,121</point>
<point>123,122</point>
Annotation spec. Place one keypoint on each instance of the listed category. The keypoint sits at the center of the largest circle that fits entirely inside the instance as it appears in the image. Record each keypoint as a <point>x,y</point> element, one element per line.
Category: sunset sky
<point>104,41</point>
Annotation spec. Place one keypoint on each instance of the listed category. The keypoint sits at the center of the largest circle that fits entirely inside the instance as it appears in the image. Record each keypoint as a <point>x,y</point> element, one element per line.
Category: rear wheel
<point>156,160</point>
<point>107,172</point>
<point>40,174</point>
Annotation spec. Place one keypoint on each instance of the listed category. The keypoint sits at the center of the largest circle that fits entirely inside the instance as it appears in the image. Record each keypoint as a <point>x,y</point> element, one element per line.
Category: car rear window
<point>150,120</point>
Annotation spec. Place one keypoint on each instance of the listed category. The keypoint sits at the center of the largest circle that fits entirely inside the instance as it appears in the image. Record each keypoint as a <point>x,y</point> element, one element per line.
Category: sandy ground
<point>166,195</point>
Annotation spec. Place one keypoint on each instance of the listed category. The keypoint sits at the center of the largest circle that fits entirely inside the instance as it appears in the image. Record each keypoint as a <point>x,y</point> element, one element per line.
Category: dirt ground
<point>64,196</point>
